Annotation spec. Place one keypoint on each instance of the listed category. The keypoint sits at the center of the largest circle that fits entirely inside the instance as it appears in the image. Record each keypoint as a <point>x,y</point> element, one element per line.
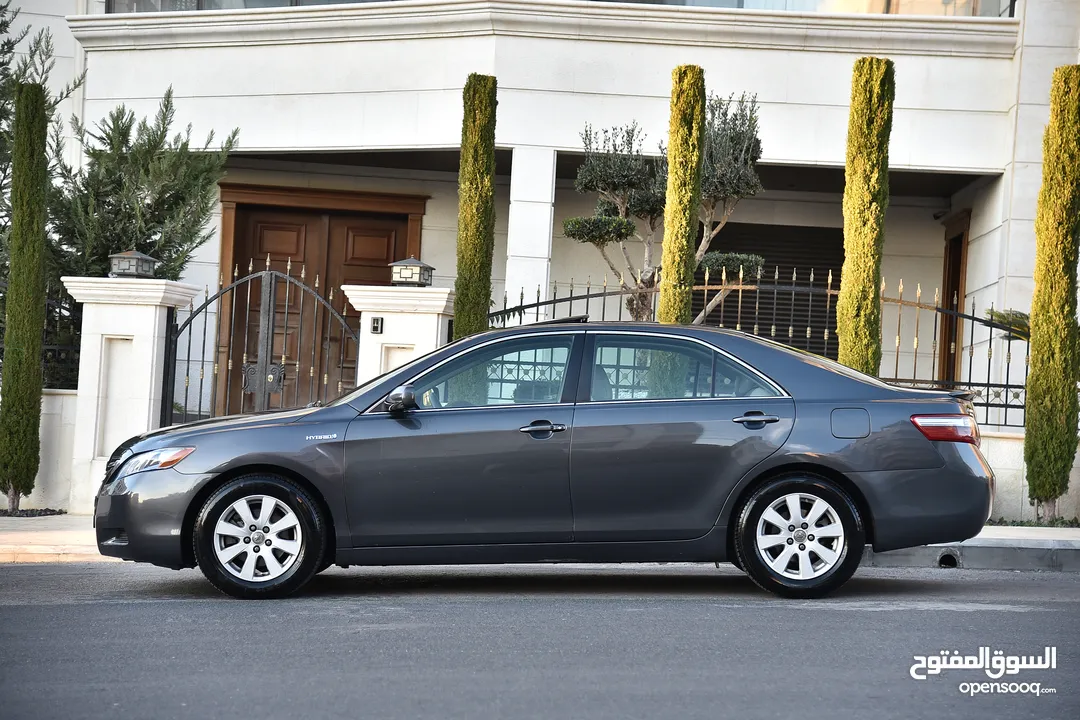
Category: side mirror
<point>401,398</point>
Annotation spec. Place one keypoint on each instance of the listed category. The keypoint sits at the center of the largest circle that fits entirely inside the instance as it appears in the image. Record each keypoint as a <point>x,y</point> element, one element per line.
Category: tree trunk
<point>13,499</point>
<point>639,305</point>
<point>1048,510</point>
<point>700,319</point>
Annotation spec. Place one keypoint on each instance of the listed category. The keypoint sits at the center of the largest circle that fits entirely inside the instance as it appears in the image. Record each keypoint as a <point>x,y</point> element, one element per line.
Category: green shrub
<point>717,262</point>
<point>143,187</point>
<point>686,137</point>
<point>1051,407</point>
<point>20,401</point>
<point>476,207</point>
<point>866,198</point>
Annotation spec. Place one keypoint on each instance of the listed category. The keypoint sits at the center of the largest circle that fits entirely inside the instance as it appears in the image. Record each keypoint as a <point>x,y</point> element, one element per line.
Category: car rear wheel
<point>259,536</point>
<point>799,536</point>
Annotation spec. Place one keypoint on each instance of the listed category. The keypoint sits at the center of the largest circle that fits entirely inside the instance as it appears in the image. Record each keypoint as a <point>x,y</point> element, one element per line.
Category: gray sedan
<point>562,443</point>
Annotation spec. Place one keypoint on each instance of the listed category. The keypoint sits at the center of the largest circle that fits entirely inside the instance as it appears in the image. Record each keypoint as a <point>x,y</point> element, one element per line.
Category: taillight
<point>948,428</point>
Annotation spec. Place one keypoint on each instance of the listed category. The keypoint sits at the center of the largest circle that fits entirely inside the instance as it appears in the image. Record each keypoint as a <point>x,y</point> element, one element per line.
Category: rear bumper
<point>923,507</point>
<point>141,517</point>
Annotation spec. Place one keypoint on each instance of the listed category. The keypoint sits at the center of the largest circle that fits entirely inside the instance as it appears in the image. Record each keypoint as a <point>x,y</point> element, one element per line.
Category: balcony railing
<point>949,8</point>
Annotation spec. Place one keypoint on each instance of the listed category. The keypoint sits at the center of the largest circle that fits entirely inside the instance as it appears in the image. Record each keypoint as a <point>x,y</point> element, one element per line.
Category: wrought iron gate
<point>266,341</point>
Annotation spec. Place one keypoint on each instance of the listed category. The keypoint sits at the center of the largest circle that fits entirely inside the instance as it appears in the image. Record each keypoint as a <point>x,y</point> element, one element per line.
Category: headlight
<point>154,460</point>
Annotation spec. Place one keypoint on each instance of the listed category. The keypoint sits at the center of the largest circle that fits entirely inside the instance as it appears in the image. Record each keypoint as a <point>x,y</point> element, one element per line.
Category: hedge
<point>1051,406</point>
<point>20,402</point>
<point>866,198</point>
<point>686,138</point>
<point>476,208</point>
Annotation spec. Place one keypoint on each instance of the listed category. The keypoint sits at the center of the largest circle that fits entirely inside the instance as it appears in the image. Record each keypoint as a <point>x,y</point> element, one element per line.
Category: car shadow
<point>694,581</point>
<point>723,584</point>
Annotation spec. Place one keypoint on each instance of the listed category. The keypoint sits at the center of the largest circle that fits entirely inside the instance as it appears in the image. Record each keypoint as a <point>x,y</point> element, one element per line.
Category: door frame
<point>953,281</point>
<point>233,194</point>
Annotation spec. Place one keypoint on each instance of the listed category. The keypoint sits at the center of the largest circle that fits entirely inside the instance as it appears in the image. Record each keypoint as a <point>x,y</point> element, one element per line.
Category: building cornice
<point>556,19</point>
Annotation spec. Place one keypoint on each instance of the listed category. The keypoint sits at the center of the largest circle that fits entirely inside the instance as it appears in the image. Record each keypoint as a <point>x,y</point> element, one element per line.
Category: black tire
<point>312,543</point>
<point>763,574</point>
<point>734,560</point>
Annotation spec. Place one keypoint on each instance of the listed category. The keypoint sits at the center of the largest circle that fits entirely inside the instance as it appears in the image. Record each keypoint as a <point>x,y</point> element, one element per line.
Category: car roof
<point>622,325</point>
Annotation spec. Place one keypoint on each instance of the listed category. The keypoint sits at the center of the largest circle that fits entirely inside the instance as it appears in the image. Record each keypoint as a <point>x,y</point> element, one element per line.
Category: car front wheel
<point>259,536</point>
<point>799,536</point>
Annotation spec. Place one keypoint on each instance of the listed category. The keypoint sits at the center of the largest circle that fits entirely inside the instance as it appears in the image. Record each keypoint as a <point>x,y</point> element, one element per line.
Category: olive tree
<point>631,190</point>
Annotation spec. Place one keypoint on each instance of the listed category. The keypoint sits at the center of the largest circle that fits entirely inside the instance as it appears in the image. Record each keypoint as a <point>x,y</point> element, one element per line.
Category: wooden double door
<point>309,332</point>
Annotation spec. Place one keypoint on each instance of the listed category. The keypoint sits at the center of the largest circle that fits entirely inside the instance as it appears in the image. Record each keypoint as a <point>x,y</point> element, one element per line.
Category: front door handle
<point>752,419</point>
<point>543,426</point>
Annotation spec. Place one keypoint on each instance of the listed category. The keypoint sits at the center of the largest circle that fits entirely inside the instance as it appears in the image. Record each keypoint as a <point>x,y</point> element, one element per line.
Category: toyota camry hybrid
<point>562,442</point>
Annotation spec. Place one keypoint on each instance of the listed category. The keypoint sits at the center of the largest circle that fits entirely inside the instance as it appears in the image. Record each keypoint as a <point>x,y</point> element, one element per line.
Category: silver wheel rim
<point>258,538</point>
<point>800,536</point>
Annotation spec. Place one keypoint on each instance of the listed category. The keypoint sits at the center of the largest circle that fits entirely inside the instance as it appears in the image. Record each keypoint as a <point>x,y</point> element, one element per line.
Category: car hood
<point>165,437</point>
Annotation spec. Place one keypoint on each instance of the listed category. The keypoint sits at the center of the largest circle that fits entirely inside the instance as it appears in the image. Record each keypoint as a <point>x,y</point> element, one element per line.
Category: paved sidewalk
<point>55,538</point>
<point>70,538</point>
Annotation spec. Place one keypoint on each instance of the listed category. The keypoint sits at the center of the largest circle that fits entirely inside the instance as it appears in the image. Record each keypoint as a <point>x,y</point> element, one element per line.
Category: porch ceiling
<point>430,160</point>
<point>797,178</point>
<point>803,178</point>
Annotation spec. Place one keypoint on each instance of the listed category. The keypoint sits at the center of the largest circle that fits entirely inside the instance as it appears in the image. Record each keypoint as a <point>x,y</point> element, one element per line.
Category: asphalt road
<point>667,642</point>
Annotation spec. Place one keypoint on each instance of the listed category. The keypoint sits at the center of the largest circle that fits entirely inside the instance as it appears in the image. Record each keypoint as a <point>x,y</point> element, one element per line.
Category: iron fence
<point>60,337</point>
<point>924,345</point>
<point>966,352</point>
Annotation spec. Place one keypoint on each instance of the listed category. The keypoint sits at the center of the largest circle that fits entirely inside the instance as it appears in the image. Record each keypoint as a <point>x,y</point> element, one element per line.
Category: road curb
<point>10,554</point>
<point>984,554</point>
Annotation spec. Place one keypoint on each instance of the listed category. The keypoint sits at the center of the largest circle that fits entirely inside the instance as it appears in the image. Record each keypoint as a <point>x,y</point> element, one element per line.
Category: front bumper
<point>141,517</point>
<point>924,507</point>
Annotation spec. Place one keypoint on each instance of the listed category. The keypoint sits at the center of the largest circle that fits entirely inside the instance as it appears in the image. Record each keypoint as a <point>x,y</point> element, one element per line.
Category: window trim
<point>585,378</point>
<point>573,367</point>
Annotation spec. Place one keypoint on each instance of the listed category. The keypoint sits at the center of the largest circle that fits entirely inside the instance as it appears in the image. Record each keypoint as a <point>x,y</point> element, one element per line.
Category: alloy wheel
<point>258,538</point>
<point>800,536</point>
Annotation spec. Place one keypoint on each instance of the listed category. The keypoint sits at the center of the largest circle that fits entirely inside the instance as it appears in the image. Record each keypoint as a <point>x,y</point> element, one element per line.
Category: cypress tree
<point>1051,405</point>
<point>866,198</point>
<point>476,208</point>
<point>20,400</point>
<point>686,138</point>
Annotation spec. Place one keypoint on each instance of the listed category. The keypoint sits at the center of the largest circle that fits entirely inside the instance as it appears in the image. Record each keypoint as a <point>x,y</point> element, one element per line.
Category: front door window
<point>527,371</point>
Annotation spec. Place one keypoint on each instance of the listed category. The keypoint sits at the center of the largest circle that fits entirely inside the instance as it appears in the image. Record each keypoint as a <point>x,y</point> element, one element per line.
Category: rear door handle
<point>541,426</point>
<point>756,419</point>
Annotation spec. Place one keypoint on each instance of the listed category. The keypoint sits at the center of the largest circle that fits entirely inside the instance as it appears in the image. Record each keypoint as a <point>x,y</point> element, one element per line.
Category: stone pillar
<point>398,324</point>
<point>532,213</point>
<point>121,363</point>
